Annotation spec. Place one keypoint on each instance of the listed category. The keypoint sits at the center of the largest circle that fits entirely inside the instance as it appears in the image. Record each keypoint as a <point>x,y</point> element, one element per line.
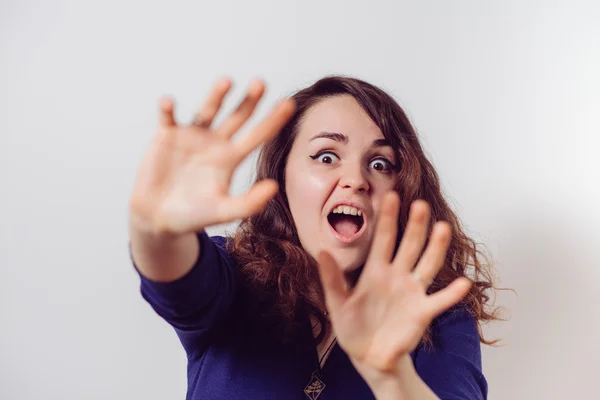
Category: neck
<point>317,327</point>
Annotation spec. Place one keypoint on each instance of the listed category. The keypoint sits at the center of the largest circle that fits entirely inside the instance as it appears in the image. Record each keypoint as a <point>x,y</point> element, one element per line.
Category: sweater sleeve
<point>452,368</point>
<point>195,302</point>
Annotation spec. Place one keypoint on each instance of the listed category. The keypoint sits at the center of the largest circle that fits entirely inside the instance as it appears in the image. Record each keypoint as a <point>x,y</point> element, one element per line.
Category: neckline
<point>319,364</point>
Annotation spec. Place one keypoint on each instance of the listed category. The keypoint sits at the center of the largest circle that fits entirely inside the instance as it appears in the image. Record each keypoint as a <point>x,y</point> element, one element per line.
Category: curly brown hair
<point>282,278</point>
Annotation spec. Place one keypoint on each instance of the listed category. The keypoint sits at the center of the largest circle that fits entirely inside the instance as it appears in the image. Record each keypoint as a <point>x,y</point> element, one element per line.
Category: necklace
<point>315,386</point>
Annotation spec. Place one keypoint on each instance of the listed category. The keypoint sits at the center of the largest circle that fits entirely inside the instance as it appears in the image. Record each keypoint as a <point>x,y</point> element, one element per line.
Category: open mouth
<point>346,222</point>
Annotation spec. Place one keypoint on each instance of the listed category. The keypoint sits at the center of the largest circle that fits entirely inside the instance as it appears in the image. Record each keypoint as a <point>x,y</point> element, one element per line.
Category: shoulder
<point>452,364</point>
<point>221,241</point>
<point>217,245</point>
<point>457,322</point>
<point>454,332</point>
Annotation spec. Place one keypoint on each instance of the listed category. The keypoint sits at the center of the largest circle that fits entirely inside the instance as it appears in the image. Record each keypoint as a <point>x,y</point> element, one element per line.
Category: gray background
<point>505,96</point>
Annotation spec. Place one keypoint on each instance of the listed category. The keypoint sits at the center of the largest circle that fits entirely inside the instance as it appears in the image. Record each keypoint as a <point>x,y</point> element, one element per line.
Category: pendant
<point>314,388</point>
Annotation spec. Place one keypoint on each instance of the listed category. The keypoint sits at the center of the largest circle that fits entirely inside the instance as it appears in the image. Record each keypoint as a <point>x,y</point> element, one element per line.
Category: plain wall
<point>505,97</point>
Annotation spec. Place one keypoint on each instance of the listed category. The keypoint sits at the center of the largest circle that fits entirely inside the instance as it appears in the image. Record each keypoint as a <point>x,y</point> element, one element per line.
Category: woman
<point>347,277</point>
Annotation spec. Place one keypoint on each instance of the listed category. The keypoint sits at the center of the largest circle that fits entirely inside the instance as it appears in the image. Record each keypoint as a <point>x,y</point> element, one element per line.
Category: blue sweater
<point>229,361</point>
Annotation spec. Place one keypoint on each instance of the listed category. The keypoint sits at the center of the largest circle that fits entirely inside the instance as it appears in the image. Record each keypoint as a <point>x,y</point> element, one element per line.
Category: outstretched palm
<point>383,318</point>
<point>183,181</point>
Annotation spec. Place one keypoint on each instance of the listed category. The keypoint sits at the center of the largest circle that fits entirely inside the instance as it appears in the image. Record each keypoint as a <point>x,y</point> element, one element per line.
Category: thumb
<point>248,203</point>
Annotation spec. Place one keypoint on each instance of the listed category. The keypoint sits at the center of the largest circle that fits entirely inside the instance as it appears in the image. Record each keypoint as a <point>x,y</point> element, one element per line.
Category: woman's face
<point>337,172</point>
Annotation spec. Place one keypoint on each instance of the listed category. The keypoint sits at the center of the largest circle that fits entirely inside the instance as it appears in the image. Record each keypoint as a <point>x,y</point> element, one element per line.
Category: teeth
<point>347,210</point>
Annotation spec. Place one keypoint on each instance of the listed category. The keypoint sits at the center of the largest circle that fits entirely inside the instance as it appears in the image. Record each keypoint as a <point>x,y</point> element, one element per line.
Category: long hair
<point>277,272</point>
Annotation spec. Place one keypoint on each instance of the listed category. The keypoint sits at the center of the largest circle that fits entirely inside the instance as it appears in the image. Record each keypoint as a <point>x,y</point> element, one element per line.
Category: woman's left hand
<point>382,319</point>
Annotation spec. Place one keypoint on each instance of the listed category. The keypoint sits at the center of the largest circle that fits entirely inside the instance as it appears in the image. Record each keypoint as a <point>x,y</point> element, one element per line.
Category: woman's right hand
<point>182,184</point>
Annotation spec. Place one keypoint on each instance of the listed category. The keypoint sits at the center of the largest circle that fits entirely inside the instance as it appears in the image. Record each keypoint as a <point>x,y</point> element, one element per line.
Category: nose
<point>353,177</point>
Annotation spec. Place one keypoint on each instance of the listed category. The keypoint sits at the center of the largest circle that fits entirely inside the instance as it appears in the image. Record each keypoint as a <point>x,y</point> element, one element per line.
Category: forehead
<point>340,114</point>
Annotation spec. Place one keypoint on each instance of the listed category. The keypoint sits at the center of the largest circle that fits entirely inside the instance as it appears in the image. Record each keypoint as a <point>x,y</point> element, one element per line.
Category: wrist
<point>392,385</point>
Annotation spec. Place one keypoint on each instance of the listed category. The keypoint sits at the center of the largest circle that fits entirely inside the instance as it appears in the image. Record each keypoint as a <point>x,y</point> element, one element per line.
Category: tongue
<point>345,226</point>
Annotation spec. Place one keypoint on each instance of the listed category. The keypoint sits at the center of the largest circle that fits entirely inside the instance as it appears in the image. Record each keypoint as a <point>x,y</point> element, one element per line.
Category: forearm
<point>162,258</point>
<point>403,384</point>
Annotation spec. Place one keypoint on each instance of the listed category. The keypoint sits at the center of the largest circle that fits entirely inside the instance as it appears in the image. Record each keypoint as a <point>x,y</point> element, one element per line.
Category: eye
<point>381,165</point>
<point>326,157</point>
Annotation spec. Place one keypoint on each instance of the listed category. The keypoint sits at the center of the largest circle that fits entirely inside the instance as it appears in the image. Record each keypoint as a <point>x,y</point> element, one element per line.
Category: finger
<point>266,130</point>
<point>384,240</point>
<point>414,236</point>
<point>435,255</point>
<point>243,111</point>
<point>333,282</point>
<point>166,118</point>
<point>248,203</point>
<point>205,115</point>
<point>447,297</point>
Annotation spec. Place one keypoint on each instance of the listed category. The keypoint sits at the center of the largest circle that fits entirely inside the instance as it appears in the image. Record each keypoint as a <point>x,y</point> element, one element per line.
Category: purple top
<point>229,360</point>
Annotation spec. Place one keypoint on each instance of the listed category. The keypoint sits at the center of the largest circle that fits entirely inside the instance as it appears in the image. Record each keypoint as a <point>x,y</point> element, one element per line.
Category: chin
<point>348,261</point>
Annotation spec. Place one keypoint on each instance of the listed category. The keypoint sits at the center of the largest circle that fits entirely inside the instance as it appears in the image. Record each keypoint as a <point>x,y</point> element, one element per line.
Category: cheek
<point>307,193</point>
<point>381,188</point>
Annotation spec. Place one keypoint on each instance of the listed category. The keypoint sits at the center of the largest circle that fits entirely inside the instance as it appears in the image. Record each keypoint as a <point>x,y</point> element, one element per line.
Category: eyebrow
<point>340,137</point>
